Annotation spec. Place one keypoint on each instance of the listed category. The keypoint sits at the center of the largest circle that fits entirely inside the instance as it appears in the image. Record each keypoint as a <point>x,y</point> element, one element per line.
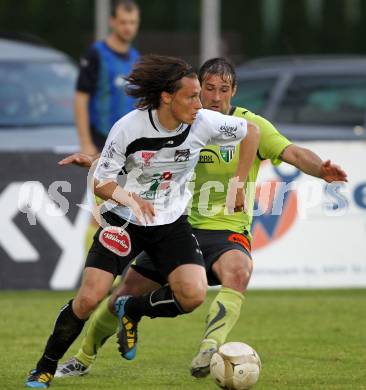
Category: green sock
<point>222,316</point>
<point>102,325</point>
<point>88,239</point>
<point>116,282</point>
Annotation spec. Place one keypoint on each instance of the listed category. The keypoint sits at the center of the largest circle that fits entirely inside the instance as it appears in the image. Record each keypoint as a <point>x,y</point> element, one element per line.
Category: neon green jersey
<point>217,164</point>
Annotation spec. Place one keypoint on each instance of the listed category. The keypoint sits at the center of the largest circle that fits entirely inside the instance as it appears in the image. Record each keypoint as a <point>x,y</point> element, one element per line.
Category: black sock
<point>67,328</point>
<point>159,303</point>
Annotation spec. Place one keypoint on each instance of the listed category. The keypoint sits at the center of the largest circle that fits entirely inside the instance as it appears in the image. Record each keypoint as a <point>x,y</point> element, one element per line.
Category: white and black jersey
<point>156,164</point>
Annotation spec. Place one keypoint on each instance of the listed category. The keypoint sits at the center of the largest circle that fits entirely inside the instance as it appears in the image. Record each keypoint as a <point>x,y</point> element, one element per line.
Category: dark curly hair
<point>218,66</point>
<point>154,74</point>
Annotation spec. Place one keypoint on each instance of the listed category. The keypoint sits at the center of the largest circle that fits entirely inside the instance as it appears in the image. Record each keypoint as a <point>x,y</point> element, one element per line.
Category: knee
<point>241,277</point>
<point>236,277</point>
<point>85,304</point>
<point>190,295</point>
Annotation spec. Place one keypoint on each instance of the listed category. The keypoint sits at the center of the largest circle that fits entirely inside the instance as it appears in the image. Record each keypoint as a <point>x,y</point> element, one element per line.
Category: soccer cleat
<point>72,367</point>
<point>200,366</point>
<point>38,379</point>
<point>127,330</point>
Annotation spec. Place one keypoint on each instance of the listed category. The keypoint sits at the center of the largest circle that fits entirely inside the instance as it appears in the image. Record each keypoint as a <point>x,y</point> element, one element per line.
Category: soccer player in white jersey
<point>146,163</point>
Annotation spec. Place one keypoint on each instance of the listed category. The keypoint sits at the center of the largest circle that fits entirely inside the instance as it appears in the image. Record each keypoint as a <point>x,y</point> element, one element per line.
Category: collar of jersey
<point>153,116</point>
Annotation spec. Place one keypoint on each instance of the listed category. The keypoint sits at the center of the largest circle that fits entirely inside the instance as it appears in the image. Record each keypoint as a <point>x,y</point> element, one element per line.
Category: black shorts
<point>168,246</point>
<point>213,244</point>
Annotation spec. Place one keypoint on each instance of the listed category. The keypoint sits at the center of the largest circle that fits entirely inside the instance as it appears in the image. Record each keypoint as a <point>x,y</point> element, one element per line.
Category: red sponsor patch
<point>146,156</point>
<point>116,240</point>
<point>240,239</point>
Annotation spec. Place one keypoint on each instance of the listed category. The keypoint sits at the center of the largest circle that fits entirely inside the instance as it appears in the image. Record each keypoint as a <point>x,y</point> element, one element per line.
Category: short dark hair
<point>154,74</point>
<point>219,66</point>
<point>128,5</point>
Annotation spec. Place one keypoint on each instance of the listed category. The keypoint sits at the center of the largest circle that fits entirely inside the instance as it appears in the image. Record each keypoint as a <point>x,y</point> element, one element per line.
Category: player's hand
<point>331,172</point>
<point>240,204</point>
<point>235,196</point>
<point>80,159</point>
<point>143,210</point>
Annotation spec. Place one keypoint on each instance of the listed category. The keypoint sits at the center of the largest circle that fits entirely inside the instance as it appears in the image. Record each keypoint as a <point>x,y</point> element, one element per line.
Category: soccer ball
<point>235,366</point>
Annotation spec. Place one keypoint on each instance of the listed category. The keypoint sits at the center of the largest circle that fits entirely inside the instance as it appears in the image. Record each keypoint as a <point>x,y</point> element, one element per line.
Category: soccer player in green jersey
<point>224,239</point>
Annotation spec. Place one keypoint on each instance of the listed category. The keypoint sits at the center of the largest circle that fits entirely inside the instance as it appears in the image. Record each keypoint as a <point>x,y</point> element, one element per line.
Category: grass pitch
<point>306,340</point>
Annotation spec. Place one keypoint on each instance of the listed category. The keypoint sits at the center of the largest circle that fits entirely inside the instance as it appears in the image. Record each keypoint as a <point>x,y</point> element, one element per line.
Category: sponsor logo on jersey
<point>182,155</point>
<point>206,159</point>
<point>106,163</point>
<point>208,156</point>
<point>146,156</point>
<point>107,154</point>
<point>110,150</point>
<point>159,182</point>
<point>116,240</point>
<point>227,152</point>
<point>228,131</point>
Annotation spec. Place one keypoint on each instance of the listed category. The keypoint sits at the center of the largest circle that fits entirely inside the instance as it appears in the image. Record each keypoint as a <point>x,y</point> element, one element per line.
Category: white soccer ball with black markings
<point>235,366</point>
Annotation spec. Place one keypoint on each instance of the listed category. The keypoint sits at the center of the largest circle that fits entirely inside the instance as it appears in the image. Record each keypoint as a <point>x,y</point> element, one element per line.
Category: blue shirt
<point>102,72</point>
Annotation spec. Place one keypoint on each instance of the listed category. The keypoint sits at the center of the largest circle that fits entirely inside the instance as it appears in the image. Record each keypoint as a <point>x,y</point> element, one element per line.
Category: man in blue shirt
<point>100,99</point>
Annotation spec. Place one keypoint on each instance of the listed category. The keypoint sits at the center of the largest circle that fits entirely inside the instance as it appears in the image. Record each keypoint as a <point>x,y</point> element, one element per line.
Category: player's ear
<point>234,90</point>
<point>166,97</point>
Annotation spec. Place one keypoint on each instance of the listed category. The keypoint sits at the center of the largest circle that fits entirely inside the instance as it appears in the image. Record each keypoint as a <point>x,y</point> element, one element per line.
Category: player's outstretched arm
<point>79,159</point>
<point>311,164</point>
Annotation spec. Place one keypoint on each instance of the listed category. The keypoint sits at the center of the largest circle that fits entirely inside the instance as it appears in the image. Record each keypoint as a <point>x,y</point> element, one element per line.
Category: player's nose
<point>198,105</point>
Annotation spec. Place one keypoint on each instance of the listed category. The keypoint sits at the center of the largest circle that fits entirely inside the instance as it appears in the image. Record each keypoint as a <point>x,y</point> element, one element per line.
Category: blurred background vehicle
<point>36,130</point>
<point>309,97</point>
<point>36,97</point>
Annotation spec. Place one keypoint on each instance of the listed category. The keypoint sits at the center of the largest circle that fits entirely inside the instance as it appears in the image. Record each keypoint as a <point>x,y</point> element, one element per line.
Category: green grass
<point>306,340</point>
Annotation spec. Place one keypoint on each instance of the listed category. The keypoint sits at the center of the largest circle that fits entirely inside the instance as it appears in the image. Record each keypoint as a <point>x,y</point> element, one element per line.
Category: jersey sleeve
<point>222,129</point>
<point>272,143</point>
<point>113,157</point>
<point>88,71</point>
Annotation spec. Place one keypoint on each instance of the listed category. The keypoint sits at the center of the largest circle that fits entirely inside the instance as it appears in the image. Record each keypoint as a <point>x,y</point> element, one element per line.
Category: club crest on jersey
<point>146,157</point>
<point>182,155</point>
<point>116,240</point>
<point>227,152</point>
